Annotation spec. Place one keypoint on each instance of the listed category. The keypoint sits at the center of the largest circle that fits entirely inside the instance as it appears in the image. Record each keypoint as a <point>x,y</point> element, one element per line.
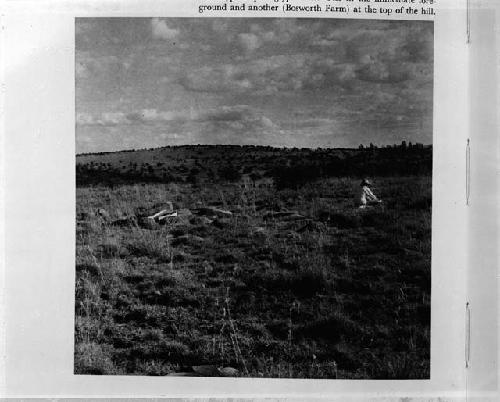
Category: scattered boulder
<point>280,214</point>
<point>178,217</point>
<point>163,215</point>
<point>209,370</point>
<point>166,206</point>
<point>293,217</point>
<point>184,374</point>
<point>214,212</point>
<point>184,212</point>
<point>166,210</point>
<point>260,232</point>
<point>411,253</point>
<point>125,221</point>
<point>206,370</point>
<point>200,220</point>
<point>229,372</point>
<point>197,239</point>
<point>103,214</point>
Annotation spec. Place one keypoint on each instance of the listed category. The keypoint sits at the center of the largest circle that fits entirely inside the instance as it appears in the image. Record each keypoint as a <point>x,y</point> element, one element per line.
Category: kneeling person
<point>366,196</point>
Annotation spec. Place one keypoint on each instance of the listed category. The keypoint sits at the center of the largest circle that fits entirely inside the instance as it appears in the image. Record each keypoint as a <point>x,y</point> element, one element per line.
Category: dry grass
<point>342,293</point>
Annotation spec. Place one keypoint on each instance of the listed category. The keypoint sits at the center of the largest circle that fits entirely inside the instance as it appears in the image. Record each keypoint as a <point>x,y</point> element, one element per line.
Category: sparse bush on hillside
<point>229,173</point>
<point>291,168</point>
<point>295,176</point>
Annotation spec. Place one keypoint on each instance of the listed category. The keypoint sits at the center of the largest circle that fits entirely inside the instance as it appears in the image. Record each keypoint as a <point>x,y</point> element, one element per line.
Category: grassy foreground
<point>331,292</point>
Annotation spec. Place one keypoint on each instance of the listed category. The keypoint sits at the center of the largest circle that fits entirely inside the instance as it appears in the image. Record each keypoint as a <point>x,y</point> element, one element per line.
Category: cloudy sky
<point>148,82</point>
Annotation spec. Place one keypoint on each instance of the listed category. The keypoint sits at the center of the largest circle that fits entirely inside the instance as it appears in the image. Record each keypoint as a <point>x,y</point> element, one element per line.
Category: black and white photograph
<point>253,197</point>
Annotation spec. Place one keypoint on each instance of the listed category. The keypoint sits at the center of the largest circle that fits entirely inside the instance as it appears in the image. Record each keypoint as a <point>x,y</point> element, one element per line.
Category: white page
<point>40,213</point>
<point>482,278</point>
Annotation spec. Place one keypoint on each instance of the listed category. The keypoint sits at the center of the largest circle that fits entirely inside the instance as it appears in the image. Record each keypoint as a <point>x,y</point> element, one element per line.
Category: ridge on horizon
<point>365,147</point>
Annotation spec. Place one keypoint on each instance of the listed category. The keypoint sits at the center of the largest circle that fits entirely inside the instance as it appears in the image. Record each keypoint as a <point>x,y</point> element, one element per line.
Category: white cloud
<point>103,119</point>
<point>81,70</point>
<point>84,119</point>
<point>219,25</point>
<point>234,122</point>
<point>268,75</point>
<point>111,118</point>
<point>248,41</point>
<point>161,30</point>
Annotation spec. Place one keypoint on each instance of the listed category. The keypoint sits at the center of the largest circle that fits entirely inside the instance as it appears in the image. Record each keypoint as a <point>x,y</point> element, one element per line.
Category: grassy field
<point>330,291</point>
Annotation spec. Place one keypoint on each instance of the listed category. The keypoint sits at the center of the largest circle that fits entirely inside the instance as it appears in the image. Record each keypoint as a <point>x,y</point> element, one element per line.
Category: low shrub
<point>95,359</point>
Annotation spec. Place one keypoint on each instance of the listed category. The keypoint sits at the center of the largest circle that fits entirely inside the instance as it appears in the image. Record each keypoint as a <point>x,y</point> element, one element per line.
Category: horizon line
<point>247,145</point>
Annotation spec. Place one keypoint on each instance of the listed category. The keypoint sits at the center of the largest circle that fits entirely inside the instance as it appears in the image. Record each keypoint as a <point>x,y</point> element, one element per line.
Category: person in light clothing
<point>366,196</point>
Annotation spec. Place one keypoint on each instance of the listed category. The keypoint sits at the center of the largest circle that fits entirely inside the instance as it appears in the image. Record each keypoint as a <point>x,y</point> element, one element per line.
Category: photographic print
<point>253,197</point>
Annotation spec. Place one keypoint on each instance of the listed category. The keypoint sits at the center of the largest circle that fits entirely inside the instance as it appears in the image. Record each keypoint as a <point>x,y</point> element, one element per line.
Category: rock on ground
<point>103,214</point>
<point>214,212</point>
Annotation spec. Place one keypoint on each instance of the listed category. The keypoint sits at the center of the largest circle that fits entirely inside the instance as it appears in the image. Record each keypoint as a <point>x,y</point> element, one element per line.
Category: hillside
<point>205,163</point>
<point>263,266</point>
